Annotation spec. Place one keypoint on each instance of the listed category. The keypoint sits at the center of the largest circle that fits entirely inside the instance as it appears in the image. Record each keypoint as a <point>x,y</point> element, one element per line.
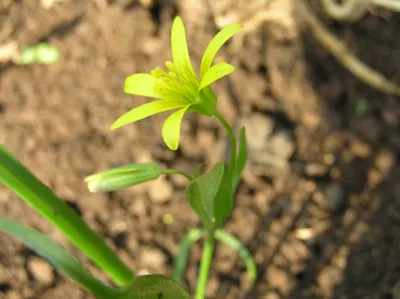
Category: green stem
<point>231,137</point>
<point>177,171</point>
<point>19,179</point>
<point>205,266</point>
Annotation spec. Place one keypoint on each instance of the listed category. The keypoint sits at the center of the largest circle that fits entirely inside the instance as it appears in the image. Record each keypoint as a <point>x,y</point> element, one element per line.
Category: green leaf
<point>171,130</point>
<point>193,196</point>
<point>223,201</point>
<point>147,110</point>
<point>155,286</point>
<point>241,159</point>
<point>56,255</point>
<point>215,73</point>
<point>180,260</point>
<point>216,44</point>
<point>231,241</point>
<point>18,178</point>
<point>123,177</point>
<point>201,193</point>
<point>142,85</point>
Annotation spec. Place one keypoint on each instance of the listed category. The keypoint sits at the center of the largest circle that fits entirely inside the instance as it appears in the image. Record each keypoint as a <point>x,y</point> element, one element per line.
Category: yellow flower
<point>179,88</point>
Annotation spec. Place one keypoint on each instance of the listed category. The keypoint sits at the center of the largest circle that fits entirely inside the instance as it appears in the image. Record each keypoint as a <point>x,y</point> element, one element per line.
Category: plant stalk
<point>179,172</point>
<point>205,266</point>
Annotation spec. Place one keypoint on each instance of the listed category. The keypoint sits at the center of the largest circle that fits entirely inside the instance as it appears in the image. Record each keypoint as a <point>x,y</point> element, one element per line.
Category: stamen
<point>158,88</point>
<point>171,66</point>
<point>174,84</point>
<point>157,72</point>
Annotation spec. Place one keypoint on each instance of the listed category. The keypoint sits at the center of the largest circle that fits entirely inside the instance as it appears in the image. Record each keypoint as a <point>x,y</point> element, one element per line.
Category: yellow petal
<point>215,73</point>
<point>180,52</point>
<point>147,110</point>
<point>141,85</point>
<point>216,44</point>
<point>171,130</point>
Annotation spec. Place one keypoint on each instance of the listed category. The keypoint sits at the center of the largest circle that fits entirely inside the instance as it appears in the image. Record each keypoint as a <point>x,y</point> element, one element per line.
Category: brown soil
<point>318,205</point>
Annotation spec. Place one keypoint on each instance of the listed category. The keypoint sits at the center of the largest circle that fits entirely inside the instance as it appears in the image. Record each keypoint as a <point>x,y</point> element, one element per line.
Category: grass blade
<point>56,255</point>
<point>19,179</point>
<point>180,260</point>
<point>233,242</point>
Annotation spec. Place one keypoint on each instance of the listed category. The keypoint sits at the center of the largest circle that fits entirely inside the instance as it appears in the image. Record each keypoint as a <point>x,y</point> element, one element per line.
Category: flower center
<point>174,84</point>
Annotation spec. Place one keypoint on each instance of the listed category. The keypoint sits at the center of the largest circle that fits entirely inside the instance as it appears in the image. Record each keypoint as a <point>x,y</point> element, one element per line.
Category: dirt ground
<point>319,204</point>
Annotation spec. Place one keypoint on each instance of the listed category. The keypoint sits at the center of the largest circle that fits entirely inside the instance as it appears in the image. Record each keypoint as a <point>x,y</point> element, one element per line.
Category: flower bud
<point>123,177</point>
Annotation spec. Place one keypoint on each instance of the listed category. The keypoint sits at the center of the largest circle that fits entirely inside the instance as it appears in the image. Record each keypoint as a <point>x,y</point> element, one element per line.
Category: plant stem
<point>205,266</point>
<point>177,171</point>
<point>231,137</point>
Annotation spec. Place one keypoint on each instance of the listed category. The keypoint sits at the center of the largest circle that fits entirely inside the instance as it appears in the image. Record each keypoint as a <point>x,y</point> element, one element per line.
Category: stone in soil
<point>40,270</point>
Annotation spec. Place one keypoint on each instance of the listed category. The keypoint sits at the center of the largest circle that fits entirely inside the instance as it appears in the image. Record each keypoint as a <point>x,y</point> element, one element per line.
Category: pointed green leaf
<point>241,159</point>
<point>155,286</point>
<point>193,197</point>
<point>171,130</point>
<point>56,255</point>
<point>233,242</point>
<point>180,259</point>
<point>201,193</point>
<point>180,52</point>
<point>146,110</point>
<point>215,73</point>
<point>216,44</point>
<point>18,178</point>
<point>141,85</point>
<point>223,201</point>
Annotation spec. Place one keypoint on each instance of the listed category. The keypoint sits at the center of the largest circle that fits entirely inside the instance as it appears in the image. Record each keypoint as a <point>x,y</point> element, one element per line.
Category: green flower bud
<point>28,55</point>
<point>123,177</point>
<point>46,53</point>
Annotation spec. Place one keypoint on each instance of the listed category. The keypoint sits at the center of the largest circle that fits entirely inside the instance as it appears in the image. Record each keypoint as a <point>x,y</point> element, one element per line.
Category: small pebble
<point>152,257</point>
<point>384,160</point>
<point>360,149</point>
<point>279,279</point>
<point>41,270</point>
<point>160,190</point>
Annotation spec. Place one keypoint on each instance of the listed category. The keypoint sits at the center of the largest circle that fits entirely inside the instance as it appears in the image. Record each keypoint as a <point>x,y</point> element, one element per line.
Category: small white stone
<point>41,270</point>
<point>160,190</point>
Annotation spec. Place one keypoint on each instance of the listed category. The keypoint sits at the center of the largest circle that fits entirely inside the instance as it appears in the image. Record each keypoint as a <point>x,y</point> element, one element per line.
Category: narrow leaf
<point>180,260</point>
<point>19,179</point>
<point>233,242</point>
<point>56,255</point>
<point>241,159</point>
<point>155,286</point>
<point>223,201</point>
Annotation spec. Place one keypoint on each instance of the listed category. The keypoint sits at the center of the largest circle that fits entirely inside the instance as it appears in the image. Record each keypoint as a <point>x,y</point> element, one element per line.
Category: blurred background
<point>319,203</point>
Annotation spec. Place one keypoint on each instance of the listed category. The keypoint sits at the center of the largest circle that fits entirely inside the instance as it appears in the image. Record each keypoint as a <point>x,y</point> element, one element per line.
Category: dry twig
<point>340,51</point>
